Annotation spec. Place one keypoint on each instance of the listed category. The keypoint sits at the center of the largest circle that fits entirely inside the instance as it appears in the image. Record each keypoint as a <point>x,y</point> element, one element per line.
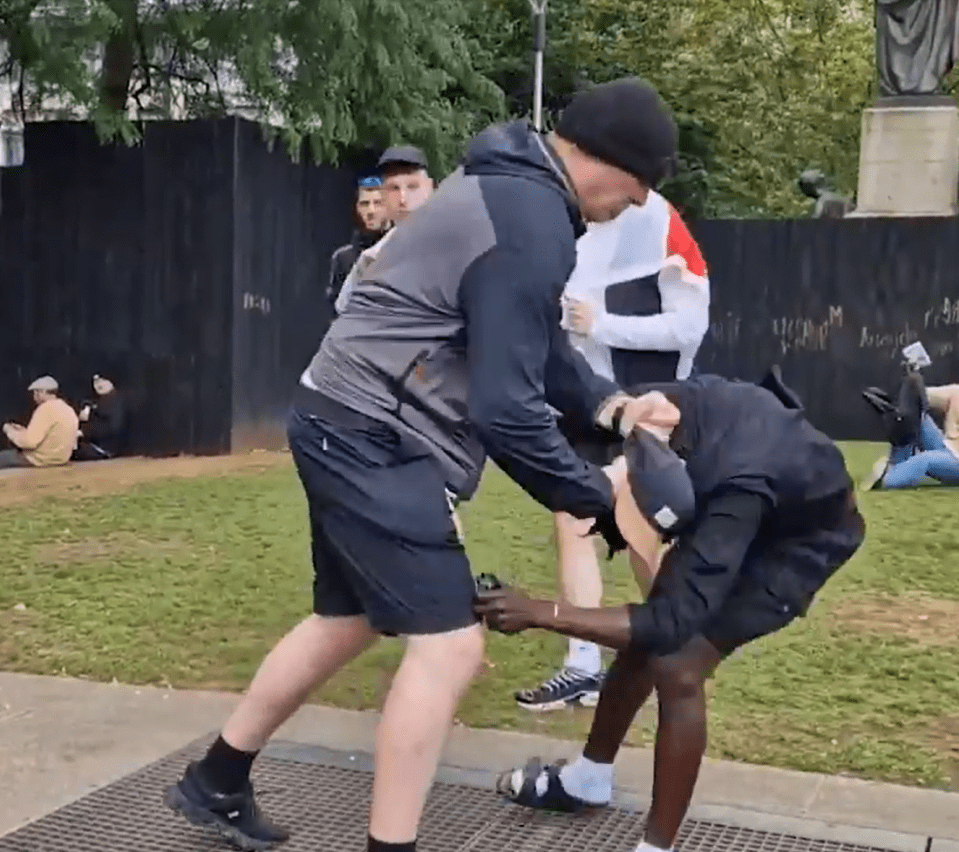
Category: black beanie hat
<point>624,123</point>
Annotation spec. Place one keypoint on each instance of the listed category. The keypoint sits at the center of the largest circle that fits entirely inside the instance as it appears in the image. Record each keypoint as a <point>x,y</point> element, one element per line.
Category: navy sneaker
<point>567,686</point>
<point>235,816</point>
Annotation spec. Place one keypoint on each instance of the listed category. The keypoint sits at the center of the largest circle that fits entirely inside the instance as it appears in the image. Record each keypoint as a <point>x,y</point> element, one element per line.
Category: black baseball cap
<point>624,123</point>
<point>658,483</point>
<point>405,155</point>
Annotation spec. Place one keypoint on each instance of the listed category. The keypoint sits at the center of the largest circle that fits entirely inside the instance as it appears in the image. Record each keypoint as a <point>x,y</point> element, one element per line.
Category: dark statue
<point>829,204</point>
<point>916,45</point>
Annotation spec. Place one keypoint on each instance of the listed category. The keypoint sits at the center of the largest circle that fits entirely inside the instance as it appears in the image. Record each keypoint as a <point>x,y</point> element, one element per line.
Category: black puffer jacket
<point>345,256</point>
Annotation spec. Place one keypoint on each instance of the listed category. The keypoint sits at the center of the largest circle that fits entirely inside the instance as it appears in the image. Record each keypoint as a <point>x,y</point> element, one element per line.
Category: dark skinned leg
<point>680,681</point>
<point>628,683</point>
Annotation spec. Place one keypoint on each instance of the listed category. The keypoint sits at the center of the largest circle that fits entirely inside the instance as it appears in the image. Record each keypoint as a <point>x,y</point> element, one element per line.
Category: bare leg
<point>581,583</point>
<point>680,736</point>
<point>417,715</point>
<point>307,656</point>
<point>627,686</point>
<point>629,682</point>
<point>579,575</point>
<point>646,564</point>
<point>581,580</point>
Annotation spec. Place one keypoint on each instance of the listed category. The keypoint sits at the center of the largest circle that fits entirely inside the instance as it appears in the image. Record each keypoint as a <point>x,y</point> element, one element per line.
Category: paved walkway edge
<point>60,738</point>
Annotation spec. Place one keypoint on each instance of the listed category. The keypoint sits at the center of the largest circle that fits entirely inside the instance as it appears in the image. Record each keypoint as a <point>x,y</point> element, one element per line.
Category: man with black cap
<point>406,186</point>
<point>448,352</point>
<point>637,307</point>
<point>760,511</point>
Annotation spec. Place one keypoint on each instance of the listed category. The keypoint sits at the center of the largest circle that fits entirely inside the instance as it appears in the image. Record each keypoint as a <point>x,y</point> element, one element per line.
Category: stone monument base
<point>909,158</point>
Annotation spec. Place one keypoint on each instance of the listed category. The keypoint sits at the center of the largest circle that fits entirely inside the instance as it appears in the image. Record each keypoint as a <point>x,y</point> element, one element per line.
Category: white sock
<point>646,847</point>
<point>583,656</point>
<point>589,781</point>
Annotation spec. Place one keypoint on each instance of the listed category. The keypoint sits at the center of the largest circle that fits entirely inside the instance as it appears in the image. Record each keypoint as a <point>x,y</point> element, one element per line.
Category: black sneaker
<point>235,816</point>
<point>567,686</point>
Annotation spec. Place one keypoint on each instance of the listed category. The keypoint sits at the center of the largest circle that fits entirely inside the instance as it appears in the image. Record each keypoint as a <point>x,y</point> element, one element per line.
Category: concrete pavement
<point>61,738</point>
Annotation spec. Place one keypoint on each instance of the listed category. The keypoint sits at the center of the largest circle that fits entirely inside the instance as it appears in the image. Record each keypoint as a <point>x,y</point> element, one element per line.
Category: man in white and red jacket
<point>637,308</point>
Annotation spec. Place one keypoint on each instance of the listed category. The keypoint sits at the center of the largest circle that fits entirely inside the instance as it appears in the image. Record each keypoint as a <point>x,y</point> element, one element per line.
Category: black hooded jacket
<point>767,484</point>
<point>107,426</point>
<point>343,259</point>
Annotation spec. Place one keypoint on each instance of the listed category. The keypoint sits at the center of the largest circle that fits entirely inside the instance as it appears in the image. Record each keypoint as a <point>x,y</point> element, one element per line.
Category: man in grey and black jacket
<point>448,351</point>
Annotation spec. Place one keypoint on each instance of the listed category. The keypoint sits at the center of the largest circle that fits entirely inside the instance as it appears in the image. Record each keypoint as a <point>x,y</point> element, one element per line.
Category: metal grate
<point>325,806</point>
<point>712,837</point>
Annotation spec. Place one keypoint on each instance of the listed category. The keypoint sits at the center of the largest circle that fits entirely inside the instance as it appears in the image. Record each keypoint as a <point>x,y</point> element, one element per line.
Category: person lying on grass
<point>761,512</point>
<point>918,448</point>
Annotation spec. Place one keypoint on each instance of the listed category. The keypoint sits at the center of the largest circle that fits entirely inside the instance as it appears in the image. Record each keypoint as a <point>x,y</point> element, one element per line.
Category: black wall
<point>189,268</point>
<point>833,302</point>
<point>289,218</point>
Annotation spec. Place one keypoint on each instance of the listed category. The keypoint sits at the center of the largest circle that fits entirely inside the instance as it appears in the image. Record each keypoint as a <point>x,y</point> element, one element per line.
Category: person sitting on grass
<point>917,447</point>
<point>104,424</point>
<point>762,513</point>
<point>50,437</point>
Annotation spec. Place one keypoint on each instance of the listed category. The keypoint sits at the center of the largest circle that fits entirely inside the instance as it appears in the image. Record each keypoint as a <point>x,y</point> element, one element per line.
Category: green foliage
<point>339,73</point>
<point>762,88</point>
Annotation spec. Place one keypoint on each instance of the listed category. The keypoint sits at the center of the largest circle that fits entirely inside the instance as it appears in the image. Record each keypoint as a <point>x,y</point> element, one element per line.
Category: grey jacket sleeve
<point>362,264</point>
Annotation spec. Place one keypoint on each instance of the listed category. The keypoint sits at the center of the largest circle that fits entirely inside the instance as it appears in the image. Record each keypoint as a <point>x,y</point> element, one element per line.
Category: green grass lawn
<point>190,582</point>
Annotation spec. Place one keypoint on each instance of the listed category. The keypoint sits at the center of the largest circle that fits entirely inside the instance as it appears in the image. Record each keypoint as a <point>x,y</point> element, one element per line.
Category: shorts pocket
<point>376,445</point>
<point>791,593</point>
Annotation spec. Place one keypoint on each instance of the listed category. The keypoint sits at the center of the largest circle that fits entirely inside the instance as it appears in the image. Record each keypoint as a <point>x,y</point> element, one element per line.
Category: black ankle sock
<point>225,768</point>
<point>374,845</point>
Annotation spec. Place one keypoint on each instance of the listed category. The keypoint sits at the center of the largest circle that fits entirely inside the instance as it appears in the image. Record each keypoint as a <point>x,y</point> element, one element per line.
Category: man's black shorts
<point>383,537</point>
<point>781,575</point>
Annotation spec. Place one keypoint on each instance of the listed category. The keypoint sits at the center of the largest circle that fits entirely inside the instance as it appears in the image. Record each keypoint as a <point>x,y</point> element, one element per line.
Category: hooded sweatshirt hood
<point>516,149</point>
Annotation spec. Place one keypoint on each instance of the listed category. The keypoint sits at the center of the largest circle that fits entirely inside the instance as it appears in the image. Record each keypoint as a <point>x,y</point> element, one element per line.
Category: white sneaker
<point>873,482</point>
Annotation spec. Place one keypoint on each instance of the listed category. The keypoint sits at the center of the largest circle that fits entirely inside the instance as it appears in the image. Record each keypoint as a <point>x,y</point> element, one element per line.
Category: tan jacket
<point>51,435</point>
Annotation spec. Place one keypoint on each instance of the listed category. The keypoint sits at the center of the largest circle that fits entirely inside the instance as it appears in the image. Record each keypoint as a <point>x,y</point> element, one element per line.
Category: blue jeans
<point>910,464</point>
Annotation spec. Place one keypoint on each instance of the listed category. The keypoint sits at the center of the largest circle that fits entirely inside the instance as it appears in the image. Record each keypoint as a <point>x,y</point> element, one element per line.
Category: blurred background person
<point>103,424</point>
<point>407,186</point>
<point>50,437</point>
<point>371,222</point>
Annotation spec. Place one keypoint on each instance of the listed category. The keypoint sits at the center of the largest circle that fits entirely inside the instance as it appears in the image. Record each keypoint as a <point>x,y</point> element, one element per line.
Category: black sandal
<point>554,798</point>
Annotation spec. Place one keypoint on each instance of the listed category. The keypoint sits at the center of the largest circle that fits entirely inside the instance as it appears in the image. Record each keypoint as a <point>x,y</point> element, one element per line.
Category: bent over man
<point>637,307</point>
<point>446,351</point>
<point>761,512</point>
